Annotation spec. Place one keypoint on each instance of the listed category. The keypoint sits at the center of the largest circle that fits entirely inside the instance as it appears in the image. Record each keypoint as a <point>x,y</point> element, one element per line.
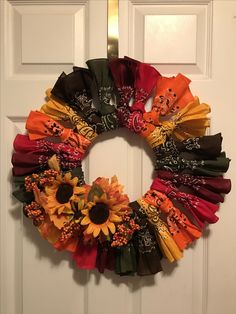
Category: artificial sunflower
<point>103,210</point>
<point>60,196</point>
<point>115,191</point>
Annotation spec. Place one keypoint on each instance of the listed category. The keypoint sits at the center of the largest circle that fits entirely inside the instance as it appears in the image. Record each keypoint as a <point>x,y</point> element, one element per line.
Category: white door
<point>42,38</point>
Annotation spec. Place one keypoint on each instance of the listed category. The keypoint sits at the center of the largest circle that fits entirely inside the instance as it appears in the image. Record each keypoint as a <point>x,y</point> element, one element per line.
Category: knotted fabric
<point>123,77</point>
<point>201,210</point>
<point>147,249</point>
<point>146,78</point>
<point>31,156</point>
<point>106,257</point>
<point>65,114</point>
<point>74,89</point>
<point>102,90</point>
<point>208,188</point>
<point>205,146</point>
<point>137,79</point>
<point>164,238</point>
<point>172,94</point>
<point>85,255</point>
<point>40,125</point>
<point>181,229</point>
<point>212,167</point>
<point>191,121</point>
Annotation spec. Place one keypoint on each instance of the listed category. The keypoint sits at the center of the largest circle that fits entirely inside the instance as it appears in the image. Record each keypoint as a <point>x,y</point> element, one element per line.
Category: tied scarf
<point>205,146</point>
<point>206,187</point>
<point>191,121</point>
<point>74,89</point>
<point>40,125</point>
<point>181,229</point>
<point>31,156</point>
<point>164,238</point>
<point>147,250</point>
<point>137,79</point>
<point>85,255</point>
<point>201,210</point>
<point>123,78</point>
<point>172,94</point>
<point>58,110</point>
<point>146,77</point>
<point>214,167</point>
<point>106,257</point>
<point>102,91</point>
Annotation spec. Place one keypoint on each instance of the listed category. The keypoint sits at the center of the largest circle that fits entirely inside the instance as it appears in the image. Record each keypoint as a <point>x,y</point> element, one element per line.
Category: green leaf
<point>95,190</point>
<point>23,196</point>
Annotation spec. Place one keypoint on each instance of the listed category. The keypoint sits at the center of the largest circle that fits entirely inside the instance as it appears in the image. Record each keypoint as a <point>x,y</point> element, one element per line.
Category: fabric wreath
<point>97,223</point>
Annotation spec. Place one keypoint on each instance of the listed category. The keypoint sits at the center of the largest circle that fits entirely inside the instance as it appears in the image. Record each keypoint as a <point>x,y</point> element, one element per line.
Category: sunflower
<point>101,214</point>
<point>115,191</point>
<point>59,198</point>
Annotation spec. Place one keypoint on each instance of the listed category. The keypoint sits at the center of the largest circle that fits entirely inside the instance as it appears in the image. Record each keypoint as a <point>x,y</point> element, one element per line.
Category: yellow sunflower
<point>59,198</point>
<point>101,214</point>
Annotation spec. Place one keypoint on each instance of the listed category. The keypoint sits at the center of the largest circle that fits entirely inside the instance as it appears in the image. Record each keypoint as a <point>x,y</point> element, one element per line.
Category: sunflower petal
<point>105,230</point>
<point>85,221</point>
<point>79,190</point>
<point>51,190</point>
<point>112,227</point>
<point>67,210</point>
<point>84,212</point>
<point>90,229</point>
<point>59,179</point>
<point>74,181</point>
<point>119,207</point>
<point>96,231</point>
<point>51,208</point>
<point>115,218</point>
<point>59,221</point>
<point>53,163</point>
<point>67,176</point>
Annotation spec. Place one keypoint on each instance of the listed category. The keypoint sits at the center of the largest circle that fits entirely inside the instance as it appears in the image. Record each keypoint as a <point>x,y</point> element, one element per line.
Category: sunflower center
<point>64,193</point>
<point>99,213</point>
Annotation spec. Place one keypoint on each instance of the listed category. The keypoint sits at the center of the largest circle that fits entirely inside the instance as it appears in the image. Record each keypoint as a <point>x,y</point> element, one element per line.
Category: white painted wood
<point>198,63</point>
<point>39,43</point>
<point>169,33</point>
<point>36,279</point>
<point>30,47</point>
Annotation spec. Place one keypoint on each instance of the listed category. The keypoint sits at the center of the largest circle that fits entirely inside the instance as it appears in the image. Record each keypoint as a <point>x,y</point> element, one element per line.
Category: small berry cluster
<point>124,231</point>
<point>35,212</point>
<point>43,179</point>
<point>69,230</point>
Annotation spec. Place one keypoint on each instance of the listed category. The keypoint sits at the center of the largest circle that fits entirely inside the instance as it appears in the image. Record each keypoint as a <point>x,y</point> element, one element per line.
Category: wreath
<point>97,223</point>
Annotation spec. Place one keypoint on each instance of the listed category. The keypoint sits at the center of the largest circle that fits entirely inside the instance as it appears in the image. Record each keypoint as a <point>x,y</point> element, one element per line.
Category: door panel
<point>39,40</point>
